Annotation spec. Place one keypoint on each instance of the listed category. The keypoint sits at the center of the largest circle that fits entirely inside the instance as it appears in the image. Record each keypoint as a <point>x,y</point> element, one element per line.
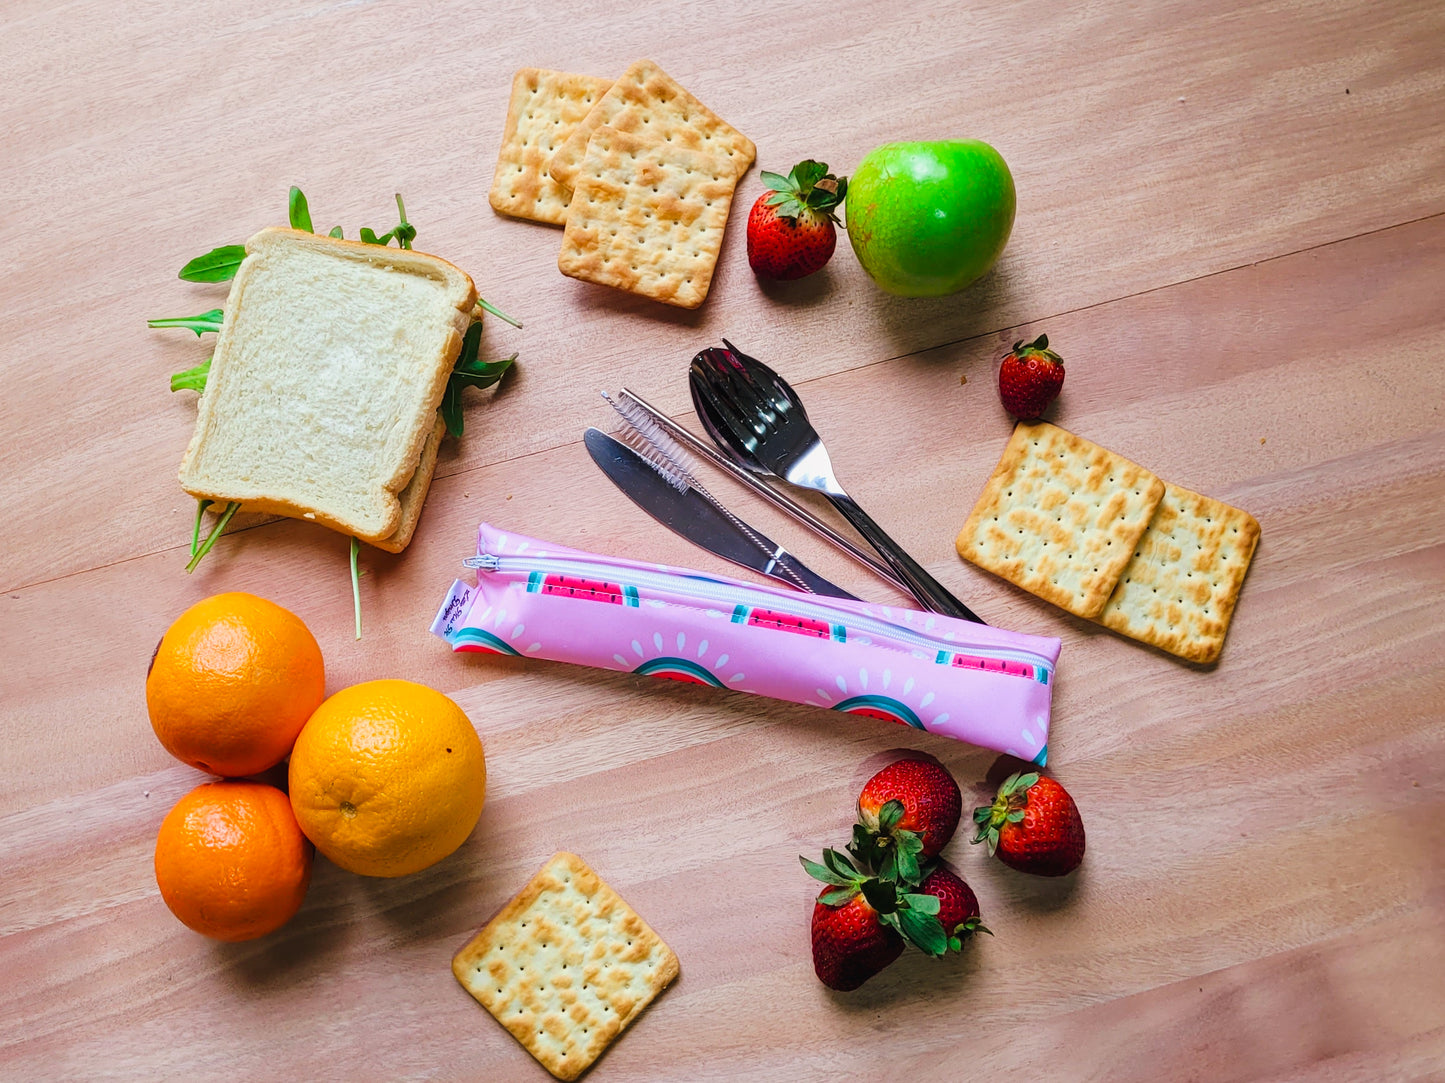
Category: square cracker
<point>647,218</point>
<point>647,102</point>
<point>1178,590</point>
<point>565,966</point>
<point>545,108</point>
<point>1060,517</point>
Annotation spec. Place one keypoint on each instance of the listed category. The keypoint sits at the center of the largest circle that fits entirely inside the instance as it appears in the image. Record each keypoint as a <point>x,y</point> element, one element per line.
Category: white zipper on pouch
<point>734,593</point>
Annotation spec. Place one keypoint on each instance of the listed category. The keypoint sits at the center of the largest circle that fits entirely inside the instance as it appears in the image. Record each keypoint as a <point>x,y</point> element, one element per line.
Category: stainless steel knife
<point>699,518</point>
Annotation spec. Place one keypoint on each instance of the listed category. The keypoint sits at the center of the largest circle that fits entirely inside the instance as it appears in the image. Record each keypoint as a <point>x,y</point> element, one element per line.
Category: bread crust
<point>413,496</point>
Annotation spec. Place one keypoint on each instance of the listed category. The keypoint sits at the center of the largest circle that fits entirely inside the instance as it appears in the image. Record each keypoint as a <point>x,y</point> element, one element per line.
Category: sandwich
<point>321,400</point>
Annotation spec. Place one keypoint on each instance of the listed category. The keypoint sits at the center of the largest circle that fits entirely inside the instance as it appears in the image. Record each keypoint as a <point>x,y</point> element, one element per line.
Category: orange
<point>388,778</point>
<point>232,682</point>
<point>231,862</point>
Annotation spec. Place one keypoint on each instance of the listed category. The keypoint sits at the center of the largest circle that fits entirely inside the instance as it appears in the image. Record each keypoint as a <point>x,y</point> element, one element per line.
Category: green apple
<point>927,219</point>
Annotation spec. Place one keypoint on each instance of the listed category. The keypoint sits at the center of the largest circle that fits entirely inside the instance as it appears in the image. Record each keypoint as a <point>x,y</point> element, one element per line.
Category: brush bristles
<point>665,467</point>
<point>650,440</point>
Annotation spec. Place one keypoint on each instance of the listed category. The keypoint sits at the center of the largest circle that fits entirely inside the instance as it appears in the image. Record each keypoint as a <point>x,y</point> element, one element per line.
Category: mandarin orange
<point>232,682</point>
<point>231,861</point>
<point>388,777</point>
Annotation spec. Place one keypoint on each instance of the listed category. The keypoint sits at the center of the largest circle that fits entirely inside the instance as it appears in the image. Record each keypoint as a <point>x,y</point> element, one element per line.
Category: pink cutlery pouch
<point>971,681</point>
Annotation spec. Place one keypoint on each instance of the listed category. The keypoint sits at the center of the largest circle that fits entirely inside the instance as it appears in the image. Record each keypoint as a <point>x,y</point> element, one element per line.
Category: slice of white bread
<point>324,387</point>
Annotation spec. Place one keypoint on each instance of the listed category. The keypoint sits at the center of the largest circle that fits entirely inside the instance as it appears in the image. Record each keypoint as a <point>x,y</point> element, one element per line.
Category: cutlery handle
<point>928,590</point>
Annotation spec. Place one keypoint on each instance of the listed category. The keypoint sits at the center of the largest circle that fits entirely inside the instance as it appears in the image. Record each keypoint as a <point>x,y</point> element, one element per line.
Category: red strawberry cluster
<point>889,889</point>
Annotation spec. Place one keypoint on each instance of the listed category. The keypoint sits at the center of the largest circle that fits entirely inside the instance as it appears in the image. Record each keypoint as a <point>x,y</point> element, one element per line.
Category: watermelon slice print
<point>678,669</point>
<point>480,641</point>
<point>994,665</point>
<point>572,586</point>
<point>882,707</point>
<point>787,622</point>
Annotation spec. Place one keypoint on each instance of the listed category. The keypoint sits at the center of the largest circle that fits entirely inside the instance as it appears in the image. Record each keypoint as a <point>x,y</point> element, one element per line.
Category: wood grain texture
<point>1246,286</point>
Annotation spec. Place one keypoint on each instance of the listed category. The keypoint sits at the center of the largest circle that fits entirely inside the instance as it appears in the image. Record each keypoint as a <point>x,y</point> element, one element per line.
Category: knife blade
<point>699,519</point>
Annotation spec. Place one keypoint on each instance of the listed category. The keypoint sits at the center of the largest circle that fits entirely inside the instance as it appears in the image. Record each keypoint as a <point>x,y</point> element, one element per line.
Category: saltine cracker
<point>647,102</point>
<point>647,217</point>
<point>546,106</point>
<point>565,966</point>
<point>1179,589</point>
<point>1060,517</point>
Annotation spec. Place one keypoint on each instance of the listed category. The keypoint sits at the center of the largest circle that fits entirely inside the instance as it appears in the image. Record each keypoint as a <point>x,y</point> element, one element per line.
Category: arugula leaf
<point>335,232</point>
<point>497,312</point>
<point>405,231</point>
<point>192,379</point>
<point>206,321</point>
<point>451,408</point>
<point>356,585</point>
<point>299,212</point>
<point>217,265</point>
<point>482,373</point>
<point>214,534</point>
<point>201,506</point>
<point>469,372</point>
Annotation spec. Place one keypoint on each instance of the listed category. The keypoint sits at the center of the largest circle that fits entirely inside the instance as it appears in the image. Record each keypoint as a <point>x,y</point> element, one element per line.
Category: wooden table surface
<point>1231,222</point>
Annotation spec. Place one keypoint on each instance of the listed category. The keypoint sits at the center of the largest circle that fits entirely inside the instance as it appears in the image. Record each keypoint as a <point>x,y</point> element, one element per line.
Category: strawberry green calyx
<point>961,934</point>
<point>915,916</point>
<point>846,878</point>
<point>809,187</point>
<point>879,843</point>
<point>1013,796</point>
<point>1039,347</point>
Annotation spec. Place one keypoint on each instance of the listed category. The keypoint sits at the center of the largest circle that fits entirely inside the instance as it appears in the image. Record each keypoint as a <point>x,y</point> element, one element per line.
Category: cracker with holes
<point>1060,517</point>
<point>647,217</point>
<point>545,109</point>
<point>1179,589</point>
<point>566,966</point>
<point>647,102</point>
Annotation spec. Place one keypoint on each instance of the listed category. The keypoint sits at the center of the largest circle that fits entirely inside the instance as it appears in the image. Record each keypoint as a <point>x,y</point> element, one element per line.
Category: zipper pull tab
<point>486,562</point>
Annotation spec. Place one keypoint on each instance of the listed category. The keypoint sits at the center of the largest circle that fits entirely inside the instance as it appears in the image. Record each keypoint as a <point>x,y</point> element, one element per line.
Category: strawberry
<point>1029,378</point>
<point>1033,826</point>
<point>958,906</point>
<point>790,229</point>
<point>860,923</point>
<point>850,944</point>
<point>907,812</point>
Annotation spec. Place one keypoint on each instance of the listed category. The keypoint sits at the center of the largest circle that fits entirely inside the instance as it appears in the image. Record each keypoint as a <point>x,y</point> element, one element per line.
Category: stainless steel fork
<point>752,411</point>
